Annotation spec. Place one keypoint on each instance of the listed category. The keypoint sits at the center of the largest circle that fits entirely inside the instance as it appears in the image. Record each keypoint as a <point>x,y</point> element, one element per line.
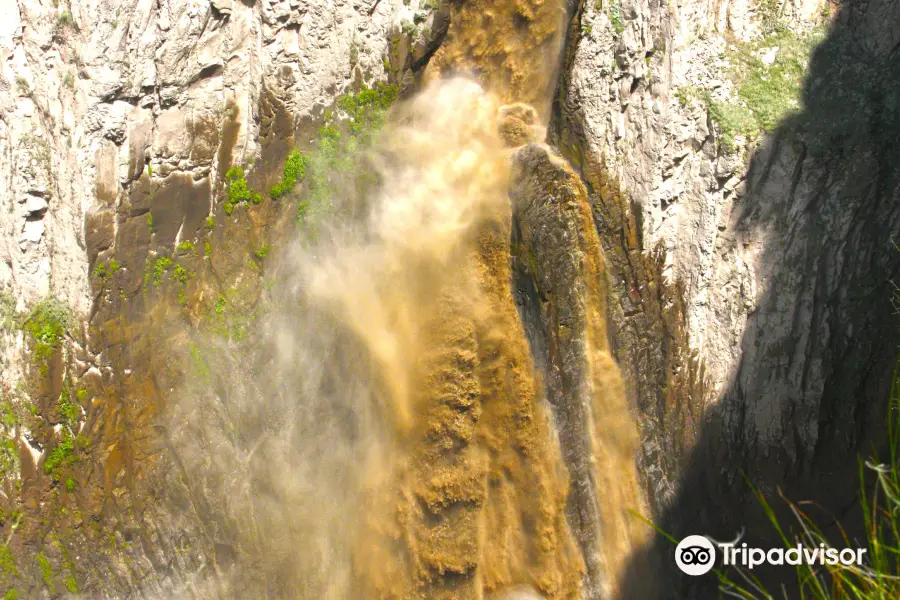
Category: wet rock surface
<point>561,286</point>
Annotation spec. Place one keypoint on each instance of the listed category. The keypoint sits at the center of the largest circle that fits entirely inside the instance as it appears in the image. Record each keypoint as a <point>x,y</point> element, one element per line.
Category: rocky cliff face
<point>654,110</point>
<point>96,96</point>
<point>95,93</point>
<point>729,213</point>
<point>779,245</point>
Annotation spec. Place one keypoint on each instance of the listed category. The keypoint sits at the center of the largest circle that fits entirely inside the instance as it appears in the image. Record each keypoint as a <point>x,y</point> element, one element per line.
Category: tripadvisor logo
<point>696,555</point>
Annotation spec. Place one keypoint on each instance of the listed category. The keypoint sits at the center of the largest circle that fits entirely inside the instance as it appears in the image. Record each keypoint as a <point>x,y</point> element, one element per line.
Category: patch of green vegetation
<point>9,456</point>
<point>69,411</point>
<point>772,91</point>
<point>210,222</point>
<point>731,120</point>
<point>69,80</point>
<point>7,311</point>
<point>768,74</point>
<point>47,324</point>
<point>233,324</point>
<point>7,415</point>
<point>150,220</point>
<point>46,571</point>
<point>185,247</point>
<point>65,19</point>
<point>12,594</point>
<point>207,249</point>
<point>60,456</point>
<point>237,190</point>
<point>70,484</point>
<point>409,28</point>
<point>160,266</point>
<point>686,94</point>
<point>81,395</point>
<point>105,270</point>
<point>615,17</point>
<point>39,148</point>
<point>198,363</point>
<point>770,14</point>
<point>294,171</point>
<point>262,252</point>
<point>347,131</point>
<point>70,582</point>
<point>181,274</point>
<point>7,564</point>
<point>366,108</point>
<point>230,317</point>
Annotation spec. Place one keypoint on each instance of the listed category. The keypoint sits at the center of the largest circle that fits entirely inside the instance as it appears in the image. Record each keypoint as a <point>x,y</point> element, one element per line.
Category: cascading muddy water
<point>514,46</point>
<point>388,440</point>
<point>387,436</point>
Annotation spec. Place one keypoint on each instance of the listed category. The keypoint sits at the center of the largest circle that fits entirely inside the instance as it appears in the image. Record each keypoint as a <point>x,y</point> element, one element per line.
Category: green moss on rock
<point>60,456</point>
<point>346,133</point>
<point>294,171</point>
<point>46,571</point>
<point>731,120</point>
<point>7,563</point>
<point>47,324</point>
<point>160,266</point>
<point>238,191</point>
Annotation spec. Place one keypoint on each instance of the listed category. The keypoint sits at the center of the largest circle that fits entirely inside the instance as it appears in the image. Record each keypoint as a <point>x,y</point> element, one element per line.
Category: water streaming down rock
<point>399,445</point>
<point>561,290</point>
<point>472,497</point>
<point>512,46</point>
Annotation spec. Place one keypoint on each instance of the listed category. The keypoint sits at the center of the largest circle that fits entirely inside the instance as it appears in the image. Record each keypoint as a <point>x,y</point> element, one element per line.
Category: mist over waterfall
<point>388,434</point>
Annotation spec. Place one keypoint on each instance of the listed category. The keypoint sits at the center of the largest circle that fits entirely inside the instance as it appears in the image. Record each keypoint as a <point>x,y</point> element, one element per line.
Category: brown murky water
<point>511,46</point>
<point>423,461</point>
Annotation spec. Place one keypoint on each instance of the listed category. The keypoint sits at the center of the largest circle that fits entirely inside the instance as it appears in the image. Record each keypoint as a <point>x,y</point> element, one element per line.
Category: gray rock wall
<point>95,93</point>
<point>626,72</point>
<point>783,245</point>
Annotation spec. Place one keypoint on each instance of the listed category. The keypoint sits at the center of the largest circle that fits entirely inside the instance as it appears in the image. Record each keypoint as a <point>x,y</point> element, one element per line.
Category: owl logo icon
<point>695,555</point>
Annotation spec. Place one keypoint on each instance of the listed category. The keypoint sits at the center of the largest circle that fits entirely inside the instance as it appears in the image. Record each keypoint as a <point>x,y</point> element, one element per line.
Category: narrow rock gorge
<point>436,298</point>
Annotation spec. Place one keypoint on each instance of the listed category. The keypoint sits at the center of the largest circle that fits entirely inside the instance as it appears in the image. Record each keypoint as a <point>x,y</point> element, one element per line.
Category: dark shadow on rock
<point>809,395</point>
